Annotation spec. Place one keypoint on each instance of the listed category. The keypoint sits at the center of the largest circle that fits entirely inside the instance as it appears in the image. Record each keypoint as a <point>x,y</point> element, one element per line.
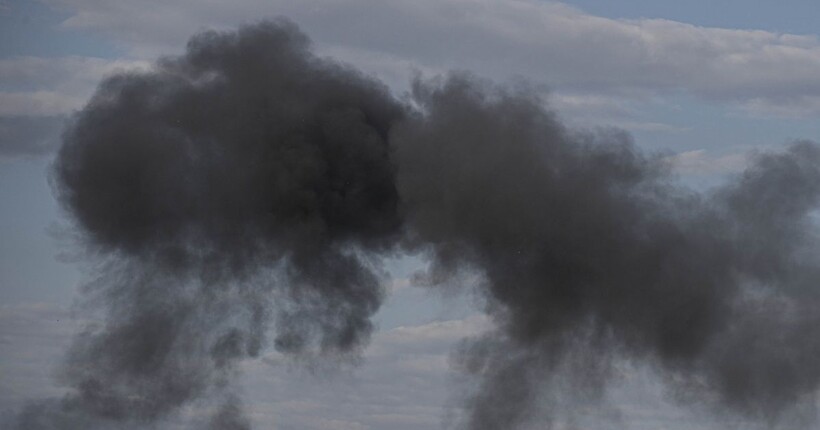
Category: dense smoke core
<point>249,185</point>
<point>588,248</point>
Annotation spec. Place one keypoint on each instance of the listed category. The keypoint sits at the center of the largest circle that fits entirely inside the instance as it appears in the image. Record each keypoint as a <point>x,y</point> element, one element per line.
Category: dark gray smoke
<point>249,184</point>
<point>590,251</point>
<point>243,174</point>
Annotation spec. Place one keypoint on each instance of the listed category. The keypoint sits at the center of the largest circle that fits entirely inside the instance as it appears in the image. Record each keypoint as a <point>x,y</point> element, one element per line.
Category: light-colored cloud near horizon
<point>37,94</point>
<point>701,162</point>
<point>595,70</point>
<point>547,42</point>
<point>36,86</point>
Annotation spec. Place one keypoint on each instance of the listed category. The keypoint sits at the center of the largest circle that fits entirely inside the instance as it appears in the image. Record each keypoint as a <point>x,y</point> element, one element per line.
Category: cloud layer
<point>38,94</point>
<point>600,70</point>
<point>543,41</point>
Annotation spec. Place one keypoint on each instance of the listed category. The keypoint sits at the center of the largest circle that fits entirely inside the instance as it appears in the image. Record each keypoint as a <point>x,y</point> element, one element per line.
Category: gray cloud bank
<point>249,185</point>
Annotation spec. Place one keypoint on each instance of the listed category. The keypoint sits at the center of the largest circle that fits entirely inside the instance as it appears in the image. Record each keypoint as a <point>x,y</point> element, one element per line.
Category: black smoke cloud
<point>249,185</point>
<point>589,250</point>
<point>245,174</point>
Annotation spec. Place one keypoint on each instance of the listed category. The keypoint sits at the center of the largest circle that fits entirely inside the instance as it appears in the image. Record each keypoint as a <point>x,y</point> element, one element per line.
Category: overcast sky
<point>703,82</point>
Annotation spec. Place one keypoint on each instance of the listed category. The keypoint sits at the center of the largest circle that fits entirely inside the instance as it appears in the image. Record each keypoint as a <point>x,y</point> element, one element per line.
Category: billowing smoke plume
<point>249,186</point>
<point>245,174</point>
<point>589,251</point>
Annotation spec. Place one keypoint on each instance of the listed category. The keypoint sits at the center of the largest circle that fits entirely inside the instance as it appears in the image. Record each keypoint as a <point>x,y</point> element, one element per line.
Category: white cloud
<point>608,110</point>
<point>60,71</point>
<point>701,162</point>
<point>543,41</point>
<point>436,332</point>
<point>37,86</point>
<point>799,107</point>
<point>37,93</point>
<point>396,285</point>
<point>38,103</point>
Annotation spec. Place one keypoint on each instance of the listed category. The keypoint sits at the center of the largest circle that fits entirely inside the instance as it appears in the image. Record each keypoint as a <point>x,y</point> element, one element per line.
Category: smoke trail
<point>249,184</point>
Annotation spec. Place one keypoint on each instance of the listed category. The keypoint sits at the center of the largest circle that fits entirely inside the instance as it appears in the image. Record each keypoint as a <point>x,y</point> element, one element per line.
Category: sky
<point>703,83</point>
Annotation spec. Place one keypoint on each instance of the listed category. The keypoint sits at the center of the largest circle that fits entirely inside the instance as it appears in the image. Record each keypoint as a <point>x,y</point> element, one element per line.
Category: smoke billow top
<point>241,196</point>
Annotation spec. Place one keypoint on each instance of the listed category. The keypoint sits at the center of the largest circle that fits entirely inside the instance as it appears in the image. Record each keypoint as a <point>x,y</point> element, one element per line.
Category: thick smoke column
<point>245,174</point>
<point>589,250</point>
<point>249,184</point>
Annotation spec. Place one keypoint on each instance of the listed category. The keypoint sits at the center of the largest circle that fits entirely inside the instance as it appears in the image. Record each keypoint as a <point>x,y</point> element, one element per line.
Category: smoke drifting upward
<point>244,174</point>
<point>590,251</point>
<point>249,185</point>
